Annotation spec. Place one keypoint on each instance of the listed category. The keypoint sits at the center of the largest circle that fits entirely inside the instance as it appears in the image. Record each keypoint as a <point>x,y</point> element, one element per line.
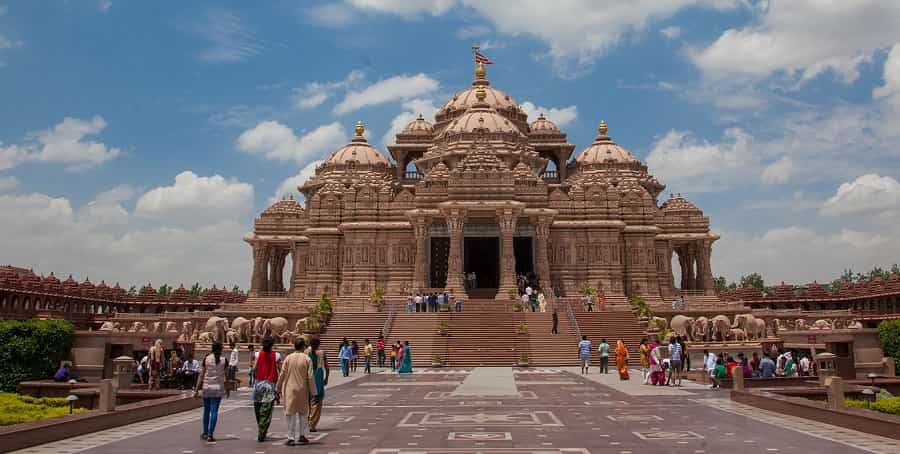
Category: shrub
<point>16,409</point>
<point>32,350</point>
<point>890,406</point>
<point>889,334</point>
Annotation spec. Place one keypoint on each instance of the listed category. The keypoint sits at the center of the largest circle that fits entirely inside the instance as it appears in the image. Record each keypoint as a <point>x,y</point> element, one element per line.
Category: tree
<point>132,290</point>
<point>754,280</point>
<point>196,289</point>
<point>164,290</point>
<point>889,335</point>
<point>895,269</point>
<point>720,283</point>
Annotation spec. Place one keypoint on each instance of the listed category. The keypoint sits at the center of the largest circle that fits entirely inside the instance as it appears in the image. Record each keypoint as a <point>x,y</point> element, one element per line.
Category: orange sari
<point>622,360</point>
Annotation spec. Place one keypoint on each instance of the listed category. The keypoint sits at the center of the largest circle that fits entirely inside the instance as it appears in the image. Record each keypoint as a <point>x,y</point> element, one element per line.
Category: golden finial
<point>602,128</point>
<point>480,72</point>
<point>360,129</point>
<point>480,94</point>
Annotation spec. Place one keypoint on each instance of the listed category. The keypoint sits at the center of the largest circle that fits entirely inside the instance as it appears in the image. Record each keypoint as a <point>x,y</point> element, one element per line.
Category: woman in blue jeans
<point>211,386</point>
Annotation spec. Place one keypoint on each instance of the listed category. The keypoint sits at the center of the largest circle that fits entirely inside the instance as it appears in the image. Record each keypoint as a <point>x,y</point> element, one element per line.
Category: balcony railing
<point>550,176</point>
<point>411,177</point>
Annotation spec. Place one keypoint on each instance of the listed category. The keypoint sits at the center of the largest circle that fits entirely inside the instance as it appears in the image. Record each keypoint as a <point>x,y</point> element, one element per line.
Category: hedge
<point>889,334</point>
<point>890,406</point>
<point>32,350</point>
<point>16,409</point>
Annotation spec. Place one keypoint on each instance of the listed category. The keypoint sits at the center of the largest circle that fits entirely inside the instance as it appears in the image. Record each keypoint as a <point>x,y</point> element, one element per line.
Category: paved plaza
<point>496,411</point>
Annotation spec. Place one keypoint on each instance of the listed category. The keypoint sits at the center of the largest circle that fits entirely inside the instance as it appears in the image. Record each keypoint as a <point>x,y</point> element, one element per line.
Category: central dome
<point>466,98</point>
<point>604,150</point>
<point>481,119</point>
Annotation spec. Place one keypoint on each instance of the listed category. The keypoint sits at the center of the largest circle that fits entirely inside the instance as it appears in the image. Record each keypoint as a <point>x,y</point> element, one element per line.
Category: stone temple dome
<point>466,98</point>
<point>677,204</point>
<point>543,125</point>
<point>418,126</point>
<point>477,119</point>
<point>284,207</point>
<point>604,150</point>
<point>358,151</point>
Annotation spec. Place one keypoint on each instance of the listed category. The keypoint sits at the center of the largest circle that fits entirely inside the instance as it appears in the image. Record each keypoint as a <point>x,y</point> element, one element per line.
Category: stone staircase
<point>354,326</point>
<point>544,349</point>
<point>420,329</point>
<point>612,325</point>
<point>484,334</point>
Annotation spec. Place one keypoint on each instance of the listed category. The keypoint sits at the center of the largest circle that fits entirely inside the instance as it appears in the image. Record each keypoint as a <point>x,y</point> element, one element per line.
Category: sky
<point>138,140</point>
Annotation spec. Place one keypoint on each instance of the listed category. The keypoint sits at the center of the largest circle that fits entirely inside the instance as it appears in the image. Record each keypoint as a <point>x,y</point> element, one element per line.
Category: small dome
<point>543,125</point>
<point>51,279</point>
<point>180,293</point>
<point>359,151</point>
<point>284,207</point>
<point>418,126</point>
<point>486,119</point>
<point>678,204</point>
<point>604,150</point>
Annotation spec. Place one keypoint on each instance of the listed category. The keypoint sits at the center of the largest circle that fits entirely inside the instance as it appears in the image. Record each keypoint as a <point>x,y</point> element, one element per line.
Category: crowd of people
<point>723,365</point>
<point>156,369</point>
<point>432,302</point>
<point>585,347</point>
<point>400,355</point>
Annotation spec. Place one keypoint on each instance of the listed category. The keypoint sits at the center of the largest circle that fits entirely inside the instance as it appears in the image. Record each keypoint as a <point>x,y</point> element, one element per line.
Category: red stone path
<point>555,412</point>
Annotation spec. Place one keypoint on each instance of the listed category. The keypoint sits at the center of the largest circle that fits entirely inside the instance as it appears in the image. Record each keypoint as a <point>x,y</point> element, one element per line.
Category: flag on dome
<point>481,58</point>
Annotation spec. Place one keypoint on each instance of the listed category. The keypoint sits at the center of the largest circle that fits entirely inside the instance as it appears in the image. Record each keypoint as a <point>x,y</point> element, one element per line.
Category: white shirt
<point>804,364</point>
<point>418,299</point>
<point>528,290</point>
<point>233,360</point>
<point>192,365</point>
<point>711,361</point>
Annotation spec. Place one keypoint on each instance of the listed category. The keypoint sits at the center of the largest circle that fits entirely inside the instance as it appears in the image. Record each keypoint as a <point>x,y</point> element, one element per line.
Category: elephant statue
<point>217,326</point>
<point>242,326</point>
<point>137,327</point>
<point>738,334</point>
<point>800,324</point>
<point>756,329</point>
<point>288,337</point>
<point>744,322</point>
<point>839,323</point>
<point>821,324</point>
<point>854,324</point>
<point>700,330</point>
<point>187,331</point>
<point>721,328</point>
<point>206,337</point>
<point>171,327</point>
<point>275,326</point>
<point>659,322</point>
<point>108,326</point>
<point>232,337</point>
<point>300,325</point>
<point>256,329</point>
<point>157,328</point>
<point>683,326</point>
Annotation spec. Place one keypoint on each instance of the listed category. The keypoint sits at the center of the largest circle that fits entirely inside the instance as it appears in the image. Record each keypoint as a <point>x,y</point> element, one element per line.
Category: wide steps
<point>356,326</point>
<point>613,325</point>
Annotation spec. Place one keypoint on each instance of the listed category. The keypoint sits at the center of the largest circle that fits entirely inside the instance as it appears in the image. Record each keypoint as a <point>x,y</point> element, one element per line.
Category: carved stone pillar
<point>704,268</point>
<point>542,262</point>
<point>507,222</point>
<point>455,222</point>
<point>258,280</point>
<point>276,270</point>
<point>295,266</point>
<point>420,229</point>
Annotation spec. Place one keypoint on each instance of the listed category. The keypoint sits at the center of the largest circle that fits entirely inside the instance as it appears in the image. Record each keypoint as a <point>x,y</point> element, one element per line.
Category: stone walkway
<point>527,411</point>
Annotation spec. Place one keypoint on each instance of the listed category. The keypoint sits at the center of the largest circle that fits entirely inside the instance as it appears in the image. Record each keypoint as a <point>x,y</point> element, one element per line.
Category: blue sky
<point>139,139</point>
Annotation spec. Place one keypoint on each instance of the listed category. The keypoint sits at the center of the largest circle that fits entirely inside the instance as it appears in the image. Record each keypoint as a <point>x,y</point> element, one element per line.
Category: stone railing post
<point>834,387</point>
<point>890,368</point>
<point>123,372</point>
<point>107,395</point>
<point>737,380</point>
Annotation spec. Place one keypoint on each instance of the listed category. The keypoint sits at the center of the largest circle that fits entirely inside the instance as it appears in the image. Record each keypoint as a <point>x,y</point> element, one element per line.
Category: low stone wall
<point>21,436</point>
<point>851,418</point>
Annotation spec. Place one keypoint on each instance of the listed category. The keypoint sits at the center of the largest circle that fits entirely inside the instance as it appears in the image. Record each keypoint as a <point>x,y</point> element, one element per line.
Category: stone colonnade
<point>694,257</point>
<point>269,259</point>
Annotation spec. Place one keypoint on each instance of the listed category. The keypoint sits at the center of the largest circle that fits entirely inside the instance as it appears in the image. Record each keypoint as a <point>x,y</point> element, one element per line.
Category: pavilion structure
<point>481,190</point>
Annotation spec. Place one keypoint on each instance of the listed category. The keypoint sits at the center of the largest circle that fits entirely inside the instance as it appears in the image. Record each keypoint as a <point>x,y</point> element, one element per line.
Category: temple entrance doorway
<point>440,250</point>
<point>524,251</point>
<point>482,256</point>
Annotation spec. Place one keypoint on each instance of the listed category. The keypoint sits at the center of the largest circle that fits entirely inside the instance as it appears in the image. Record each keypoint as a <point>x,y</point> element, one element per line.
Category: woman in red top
<point>729,365</point>
<point>264,395</point>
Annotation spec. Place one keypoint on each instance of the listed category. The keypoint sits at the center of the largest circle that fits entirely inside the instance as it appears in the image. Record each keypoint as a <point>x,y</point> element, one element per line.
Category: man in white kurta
<point>296,386</point>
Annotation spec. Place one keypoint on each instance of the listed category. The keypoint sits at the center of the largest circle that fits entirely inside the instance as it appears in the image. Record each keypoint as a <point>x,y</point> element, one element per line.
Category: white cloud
<point>890,90</point>
<point>332,15</point>
<point>473,31</point>
<point>869,194</point>
<point>274,140</point>
<point>778,172</point>
<point>8,183</point>
<point>290,185</point>
<point>230,40</point>
<point>314,94</point>
<point>396,88</point>
<point>671,32</point>
<point>405,8</point>
<point>562,116</point>
<point>412,109</point>
<point>63,143</point>
<point>104,5</point>
<point>802,39</point>
<point>6,43</point>
<point>196,199</point>
<point>681,161</point>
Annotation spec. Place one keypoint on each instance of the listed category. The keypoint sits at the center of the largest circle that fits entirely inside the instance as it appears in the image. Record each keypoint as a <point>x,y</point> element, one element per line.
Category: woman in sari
<point>645,361</point>
<point>622,360</point>
<point>319,360</point>
<point>405,359</point>
<point>657,376</point>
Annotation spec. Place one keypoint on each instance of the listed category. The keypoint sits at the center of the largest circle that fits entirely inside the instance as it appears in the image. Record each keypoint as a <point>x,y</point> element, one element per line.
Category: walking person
<point>154,363</point>
<point>354,358</point>
<point>233,359</point>
<point>379,347</point>
<point>603,349</point>
<point>296,387</point>
<point>409,304</point>
<point>622,360</point>
<point>395,349</point>
<point>675,355</point>
<point>319,362</point>
<point>458,304</point>
<point>264,395</point>
<point>345,356</point>
<point>584,352</point>
<point>645,361</point>
<point>405,359</point>
<point>542,302</point>
<point>554,328</point>
<point>252,373</point>
<point>418,302</point>
<point>657,374</point>
<point>211,386</point>
<point>368,350</point>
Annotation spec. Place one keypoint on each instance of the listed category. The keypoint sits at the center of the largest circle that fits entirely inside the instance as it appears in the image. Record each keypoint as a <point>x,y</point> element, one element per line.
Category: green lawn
<point>16,409</point>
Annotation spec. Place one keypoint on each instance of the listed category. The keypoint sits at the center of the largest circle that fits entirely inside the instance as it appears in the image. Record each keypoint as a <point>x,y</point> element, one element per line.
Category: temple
<point>481,190</point>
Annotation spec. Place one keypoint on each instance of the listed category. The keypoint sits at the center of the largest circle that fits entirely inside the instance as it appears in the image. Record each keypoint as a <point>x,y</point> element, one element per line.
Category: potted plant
<point>437,361</point>
<point>377,298</point>
<point>513,294</point>
<point>523,360</point>
<point>313,323</point>
<point>518,307</point>
<point>642,308</point>
<point>325,308</point>
<point>443,327</point>
<point>522,328</point>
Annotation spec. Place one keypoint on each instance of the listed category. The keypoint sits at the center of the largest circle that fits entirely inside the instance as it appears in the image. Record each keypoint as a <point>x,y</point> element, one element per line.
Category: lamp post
<point>869,396</point>
<point>72,398</point>
<point>872,377</point>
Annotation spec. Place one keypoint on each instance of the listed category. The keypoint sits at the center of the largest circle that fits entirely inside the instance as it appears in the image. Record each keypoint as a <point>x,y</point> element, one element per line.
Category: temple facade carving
<point>481,191</point>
